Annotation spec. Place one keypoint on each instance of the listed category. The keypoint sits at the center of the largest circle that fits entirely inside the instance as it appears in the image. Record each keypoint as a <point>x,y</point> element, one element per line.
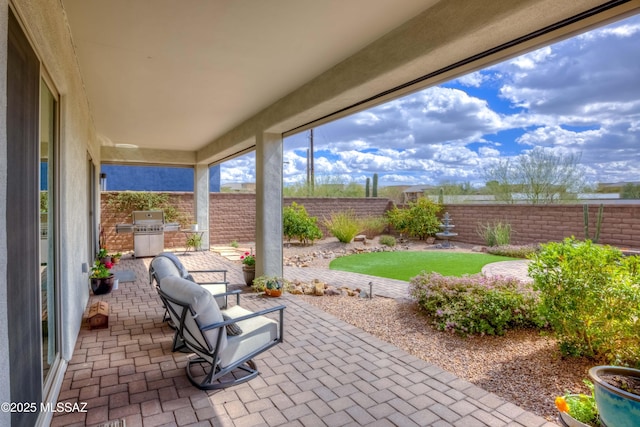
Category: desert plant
<point>475,304</point>
<point>515,251</point>
<point>590,295</point>
<point>585,213</point>
<point>343,225</point>
<point>388,241</point>
<point>366,188</point>
<point>418,219</point>
<point>496,234</point>
<point>194,241</point>
<point>374,187</point>
<point>297,223</point>
<point>371,226</point>
<point>261,283</point>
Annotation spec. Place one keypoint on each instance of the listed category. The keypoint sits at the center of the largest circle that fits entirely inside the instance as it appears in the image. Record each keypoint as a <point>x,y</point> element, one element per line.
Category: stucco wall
<point>45,25</point>
<point>232,217</point>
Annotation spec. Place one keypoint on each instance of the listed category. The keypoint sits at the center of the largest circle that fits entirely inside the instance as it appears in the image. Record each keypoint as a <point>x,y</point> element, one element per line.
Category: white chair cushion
<point>202,303</point>
<point>256,333</point>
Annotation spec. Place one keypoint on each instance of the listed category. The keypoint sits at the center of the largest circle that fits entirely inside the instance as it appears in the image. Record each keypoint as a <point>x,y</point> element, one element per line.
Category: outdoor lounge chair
<point>202,328</point>
<point>167,264</point>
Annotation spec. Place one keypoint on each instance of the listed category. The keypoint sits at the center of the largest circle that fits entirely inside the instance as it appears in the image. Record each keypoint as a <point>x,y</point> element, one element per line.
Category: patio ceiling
<point>191,81</point>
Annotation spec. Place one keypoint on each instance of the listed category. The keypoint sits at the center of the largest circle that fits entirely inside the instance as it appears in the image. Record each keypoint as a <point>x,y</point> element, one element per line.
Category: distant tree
<point>393,193</point>
<point>325,186</point>
<point>630,191</point>
<point>542,176</point>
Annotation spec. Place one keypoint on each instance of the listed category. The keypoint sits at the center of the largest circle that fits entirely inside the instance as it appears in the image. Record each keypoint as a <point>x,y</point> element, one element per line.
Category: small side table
<point>189,236</point>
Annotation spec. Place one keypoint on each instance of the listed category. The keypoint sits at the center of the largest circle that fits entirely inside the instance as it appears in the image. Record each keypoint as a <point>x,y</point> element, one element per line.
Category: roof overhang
<point>194,81</point>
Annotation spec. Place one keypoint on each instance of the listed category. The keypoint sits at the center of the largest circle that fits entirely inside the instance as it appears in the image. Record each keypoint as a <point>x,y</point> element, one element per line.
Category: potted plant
<point>115,258</point>
<point>194,241</point>
<point>617,394</point>
<point>103,256</point>
<point>272,286</point>
<point>578,410</point>
<point>248,267</point>
<point>102,278</point>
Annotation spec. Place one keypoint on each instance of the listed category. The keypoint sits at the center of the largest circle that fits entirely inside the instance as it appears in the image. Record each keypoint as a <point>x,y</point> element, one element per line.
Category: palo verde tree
<point>540,175</point>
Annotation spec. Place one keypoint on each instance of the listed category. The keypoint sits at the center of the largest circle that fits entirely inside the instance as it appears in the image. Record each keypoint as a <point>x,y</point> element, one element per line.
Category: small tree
<point>542,176</point>
<point>418,219</point>
<point>297,223</point>
<point>630,191</point>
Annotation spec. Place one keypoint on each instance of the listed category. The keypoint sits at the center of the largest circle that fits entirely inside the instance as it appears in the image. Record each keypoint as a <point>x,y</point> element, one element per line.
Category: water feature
<point>446,233</point>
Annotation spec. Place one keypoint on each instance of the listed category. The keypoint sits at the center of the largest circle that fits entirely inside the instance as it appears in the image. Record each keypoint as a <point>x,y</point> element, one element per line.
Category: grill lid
<point>148,217</point>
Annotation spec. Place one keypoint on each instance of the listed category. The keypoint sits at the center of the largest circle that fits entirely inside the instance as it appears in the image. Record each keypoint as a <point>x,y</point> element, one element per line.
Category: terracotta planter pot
<point>273,292</point>
<point>101,286</point>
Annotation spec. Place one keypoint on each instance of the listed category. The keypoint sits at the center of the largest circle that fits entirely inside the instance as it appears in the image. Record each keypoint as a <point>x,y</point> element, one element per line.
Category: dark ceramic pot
<point>103,285</point>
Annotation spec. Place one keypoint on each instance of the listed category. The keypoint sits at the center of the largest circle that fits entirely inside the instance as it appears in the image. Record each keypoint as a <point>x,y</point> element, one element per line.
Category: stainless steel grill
<point>148,232</point>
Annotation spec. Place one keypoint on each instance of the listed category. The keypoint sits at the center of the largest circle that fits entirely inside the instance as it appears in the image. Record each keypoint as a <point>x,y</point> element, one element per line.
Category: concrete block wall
<point>232,217</point>
<point>542,223</point>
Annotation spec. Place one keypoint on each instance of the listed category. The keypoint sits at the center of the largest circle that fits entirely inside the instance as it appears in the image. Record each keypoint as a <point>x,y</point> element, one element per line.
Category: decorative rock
<point>360,238</point>
<point>319,289</point>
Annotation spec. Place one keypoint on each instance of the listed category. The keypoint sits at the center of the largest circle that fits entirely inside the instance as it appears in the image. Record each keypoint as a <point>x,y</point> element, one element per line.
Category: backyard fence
<point>232,218</point>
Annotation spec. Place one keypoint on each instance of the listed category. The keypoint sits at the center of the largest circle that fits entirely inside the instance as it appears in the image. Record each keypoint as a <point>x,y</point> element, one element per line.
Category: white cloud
<point>580,95</point>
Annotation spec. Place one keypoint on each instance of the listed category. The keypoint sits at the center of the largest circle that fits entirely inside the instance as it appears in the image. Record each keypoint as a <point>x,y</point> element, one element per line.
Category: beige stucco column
<point>201,201</point>
<point>269,204</point>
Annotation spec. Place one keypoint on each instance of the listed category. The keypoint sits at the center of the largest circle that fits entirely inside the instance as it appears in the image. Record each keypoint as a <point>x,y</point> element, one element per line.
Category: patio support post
<point>269,204</point>
<point>201,201</point>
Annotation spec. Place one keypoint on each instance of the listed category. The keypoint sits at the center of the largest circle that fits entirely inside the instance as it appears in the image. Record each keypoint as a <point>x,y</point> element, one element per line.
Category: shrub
<point>373,226</point>
<point>343,225</point>
<point>475,304</point>
<point>297,223</point>
<point>590,295</point>
<point>496,234</point>
<point>524,251</point>
<point>388,240</point>
<point>128,201</point>
<point>418,219</point>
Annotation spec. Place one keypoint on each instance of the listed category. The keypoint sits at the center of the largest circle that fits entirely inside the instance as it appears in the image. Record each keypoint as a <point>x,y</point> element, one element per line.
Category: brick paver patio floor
<point>326,373</point>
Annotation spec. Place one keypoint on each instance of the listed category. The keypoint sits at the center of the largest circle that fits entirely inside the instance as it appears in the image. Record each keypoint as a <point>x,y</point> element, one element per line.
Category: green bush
<point>590,295</point>
<point>297,223</point>
<point>388,241</point>
<point>475,304</point>
<point>496,234</point>
<point>418,219</point>
<point>372,226</point>
<point>343,225</point>
<point>514,251</point>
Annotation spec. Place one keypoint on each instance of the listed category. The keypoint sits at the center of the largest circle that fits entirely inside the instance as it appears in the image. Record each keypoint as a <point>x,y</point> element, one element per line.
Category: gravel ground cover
<point>524,366</point>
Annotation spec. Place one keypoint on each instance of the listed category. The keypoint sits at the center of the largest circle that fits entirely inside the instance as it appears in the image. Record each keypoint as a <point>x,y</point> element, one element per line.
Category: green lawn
<point>405,265</point>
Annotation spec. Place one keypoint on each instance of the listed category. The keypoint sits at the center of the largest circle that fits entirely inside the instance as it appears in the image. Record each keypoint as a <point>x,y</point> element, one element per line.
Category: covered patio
<point>192,84</point>
<point>326,373</point>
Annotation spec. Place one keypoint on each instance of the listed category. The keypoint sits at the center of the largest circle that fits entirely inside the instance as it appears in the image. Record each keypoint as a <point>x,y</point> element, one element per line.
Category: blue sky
<point>581,95</point>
